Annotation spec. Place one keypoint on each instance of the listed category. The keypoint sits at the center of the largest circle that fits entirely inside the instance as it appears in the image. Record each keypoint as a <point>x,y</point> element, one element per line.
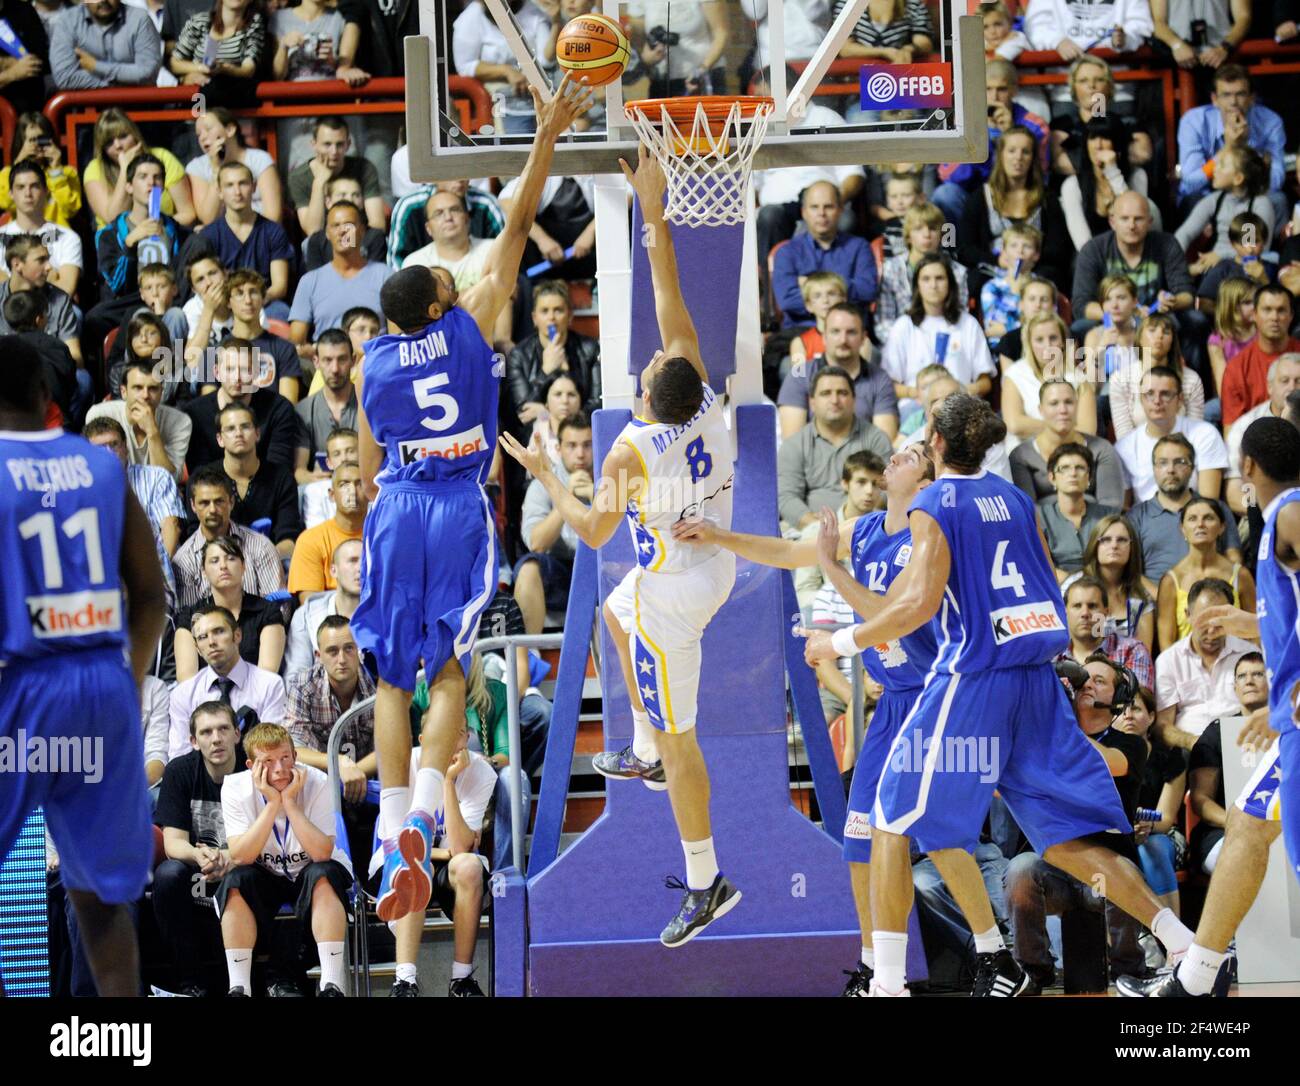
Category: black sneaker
<point>404,989</point>
<point>700,908</point>
<point>623,765</point>
<point>466,987</point>
<point>192,991</point>
<point>284,989</point>
<point>859,984</point>
<point>1227,976</point>
<point>1164,985</point>
<point>237,992</point>
<point>999,976</point>
<point>330,991</point>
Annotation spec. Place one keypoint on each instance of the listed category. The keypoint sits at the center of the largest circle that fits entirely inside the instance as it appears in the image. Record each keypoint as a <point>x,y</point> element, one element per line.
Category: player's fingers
<point>803,631</point>
<point>627,172</point>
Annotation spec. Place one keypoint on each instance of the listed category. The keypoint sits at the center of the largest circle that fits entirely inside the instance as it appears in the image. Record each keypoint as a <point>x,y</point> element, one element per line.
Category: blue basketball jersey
<point>1003,606</point>
<point>878,559</point>
<point>431,401</point>
<point>61,523</point>
<point>1277,603</point>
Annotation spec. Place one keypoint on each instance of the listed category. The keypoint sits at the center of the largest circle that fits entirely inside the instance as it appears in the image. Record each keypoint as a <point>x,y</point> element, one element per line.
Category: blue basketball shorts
<point>889,717</point>
<point>428,572</point>
<point>1012,729</point>
<point>1262,796</point>
<point>1288,749</point>
<point>70,741</point>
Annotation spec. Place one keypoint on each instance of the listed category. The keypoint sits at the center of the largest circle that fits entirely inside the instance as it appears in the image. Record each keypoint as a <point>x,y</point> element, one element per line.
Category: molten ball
<point>594,48</point>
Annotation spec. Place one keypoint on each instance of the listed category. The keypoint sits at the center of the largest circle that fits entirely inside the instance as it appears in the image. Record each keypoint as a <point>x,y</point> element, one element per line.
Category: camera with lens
<point>661,35</point>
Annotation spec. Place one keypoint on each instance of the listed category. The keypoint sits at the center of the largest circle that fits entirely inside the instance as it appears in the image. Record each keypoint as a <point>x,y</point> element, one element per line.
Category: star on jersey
<point>648,692</point>
<point>647,547</point>
<point>646,669</point>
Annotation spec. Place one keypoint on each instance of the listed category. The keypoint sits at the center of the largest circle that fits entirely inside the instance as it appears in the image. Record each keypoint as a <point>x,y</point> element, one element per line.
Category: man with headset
<point>1035,889</point>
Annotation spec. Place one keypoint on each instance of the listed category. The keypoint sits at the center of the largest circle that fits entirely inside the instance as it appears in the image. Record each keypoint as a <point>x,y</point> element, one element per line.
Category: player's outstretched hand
<point>533,458</point>
<point>828,538</point>
<point>647,181</point>
<point>569,102</point>
<point>1256,733</point>
<point>1233,620</point>
<point>695,530</point>
<point>818,647</point>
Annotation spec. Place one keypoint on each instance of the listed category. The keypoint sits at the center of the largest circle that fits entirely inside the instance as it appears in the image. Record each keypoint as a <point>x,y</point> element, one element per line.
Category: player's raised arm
<point>676,328</point>
<point>485,300</point>
<point>766,550</point>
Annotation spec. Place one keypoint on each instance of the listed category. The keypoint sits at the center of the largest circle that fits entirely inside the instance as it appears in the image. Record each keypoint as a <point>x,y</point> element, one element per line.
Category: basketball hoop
<point>706,146</point>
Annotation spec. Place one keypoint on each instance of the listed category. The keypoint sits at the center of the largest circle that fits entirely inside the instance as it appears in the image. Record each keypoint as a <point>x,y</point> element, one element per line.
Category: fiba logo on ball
<point>882,87</point>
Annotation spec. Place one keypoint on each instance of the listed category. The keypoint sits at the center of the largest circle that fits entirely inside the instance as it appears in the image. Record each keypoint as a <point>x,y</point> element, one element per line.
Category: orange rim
<point>716,106</point>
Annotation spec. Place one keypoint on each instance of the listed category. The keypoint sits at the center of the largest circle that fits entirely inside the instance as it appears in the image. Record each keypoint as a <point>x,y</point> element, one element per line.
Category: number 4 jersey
<point>690,470</point>
<point>1002,607</point>
<point>61,523</point>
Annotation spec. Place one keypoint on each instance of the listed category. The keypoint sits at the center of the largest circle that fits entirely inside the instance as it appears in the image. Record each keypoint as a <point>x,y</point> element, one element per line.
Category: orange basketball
<point>594,48</point>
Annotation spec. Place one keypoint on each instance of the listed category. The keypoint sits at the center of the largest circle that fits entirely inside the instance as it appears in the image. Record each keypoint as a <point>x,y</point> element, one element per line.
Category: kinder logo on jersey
<point>75,614</point>
<point>1028,618</point>
<point>906,86</point>
<point>447,447</point>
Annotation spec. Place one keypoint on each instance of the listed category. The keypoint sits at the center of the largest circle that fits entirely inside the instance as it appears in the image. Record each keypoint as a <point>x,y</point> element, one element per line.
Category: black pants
<point>187,922</point>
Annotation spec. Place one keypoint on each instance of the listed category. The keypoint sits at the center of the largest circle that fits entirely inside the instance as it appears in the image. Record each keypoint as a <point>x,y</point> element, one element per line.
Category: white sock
<point>644,744</point>
<point>239,964</point>
<point>869,958</point>
<point>393,805</point>
<point>427,795</point>
<point>989,942</point>
<point>890,948</point>
<point>1199,968</point>
<point>1174,935</point>
<point>331,964</point>
<point>459,970</point>
<point>407,972</point>
<point>701,863</point>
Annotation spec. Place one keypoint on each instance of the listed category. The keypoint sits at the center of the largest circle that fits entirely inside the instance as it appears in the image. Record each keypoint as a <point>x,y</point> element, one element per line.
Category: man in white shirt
<point>1283,379</point>
<point>156,434</point>
<point>1194,676</point>
<point>1162,400</point>
<point>300,653</point>
<point>30,193</point>
<point>341,447</point>
<point>279,820</point>
<point>452,247</point>
<point>227,678</point>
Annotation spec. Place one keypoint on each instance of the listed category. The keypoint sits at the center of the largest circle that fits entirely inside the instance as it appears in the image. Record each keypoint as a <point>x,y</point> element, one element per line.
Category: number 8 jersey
<point>689,470</point>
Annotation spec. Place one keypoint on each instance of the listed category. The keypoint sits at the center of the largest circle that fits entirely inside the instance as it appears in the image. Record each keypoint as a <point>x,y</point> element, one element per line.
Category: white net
<point>708,162</point>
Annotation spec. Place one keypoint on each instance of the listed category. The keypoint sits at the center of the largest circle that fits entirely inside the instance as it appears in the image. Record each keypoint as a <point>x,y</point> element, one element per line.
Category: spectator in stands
<point>158,291</point>
<point>277,425</point>
<point>959,179</point>
<point>24,315</point>
<point>1157,345</point>
<point>1205,764</point>
<point>330,142</point>
<point>244,291</point>
<point>317,698</point>
<point>890,196</point>
<point>194,840</point>
<point>21,76</point>
<point>222,51</point>
<point>1069,516</point>
<point>1000,40</point>
<point>934,393</point>
<point>28,196</point>
<point>104,44</point>
<point>227,677</point>
<point>543,575</point>
<point>1232,119</point>
<point>1162,401</point>
<point>1245,380</point>
<point>1199,34</point>
<point>156,434</point>
<point>149,341</point>
<point>349,279</point>
<point>692,63</point>
<point>1234,325</point>
<point>553,347</point>
<point>1114,557</point>
<point>27,261</point>
<point>480,51</point>
<point>222,143</point>
<point>1058,404</point>
<point>1092,94</point>
<point>244,239</point>
<point>263,491</point>
<point>1035,889</point>
<point>863,482</point>
<point>212,497</point>
<point>1248,238</point>
<point>34,139</point>
<point>810,464</point>
<point>155,490</point>
<point>313,557</point>
<point>923,227</point>
<point>805,26</point>
<point>316,249</point>
<point>821,291</point>
<point>300,864</point>
<point>207,312</point>
<point>345,569</point>
<point>1239,187</point>
<point>1102,172</point>
<point>907,32</point>
<point>1038,295</point>
<point>936,329</point>
<point>1163,543</point>
<point>260,622</point>
<point>155,9</point>
<point>341,447</point>
<point>566,219</point>
<point>1202,522</point>
<point>1045,342</point>
<point>324,412</point>
<point>409,231</point>
<point>1016,260</point>
<point>1071,27</point>
<point>822,248</point>
<point>1283,379</point>
<point>1087,604</point>
<point>117,142</point>
<point>1194,675</point>
<point>562,401</point>
<point>874,398</point>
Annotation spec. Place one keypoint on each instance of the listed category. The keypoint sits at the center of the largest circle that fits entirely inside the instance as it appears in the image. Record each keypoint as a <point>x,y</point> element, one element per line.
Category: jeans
<point>1157,856</point>
<point>502,829</point>
<point>1035,890</point>
<point>938,910</point>
<point>534,724</point>
<point>81,399</point>
<point>951,200</point>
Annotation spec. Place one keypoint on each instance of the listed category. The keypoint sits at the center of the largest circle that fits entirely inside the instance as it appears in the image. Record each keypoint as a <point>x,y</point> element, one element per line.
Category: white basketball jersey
<point>689,470</point>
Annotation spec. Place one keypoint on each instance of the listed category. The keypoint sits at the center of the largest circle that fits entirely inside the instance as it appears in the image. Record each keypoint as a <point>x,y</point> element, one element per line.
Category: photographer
<point>1035,889</point>
<point>681,46</point>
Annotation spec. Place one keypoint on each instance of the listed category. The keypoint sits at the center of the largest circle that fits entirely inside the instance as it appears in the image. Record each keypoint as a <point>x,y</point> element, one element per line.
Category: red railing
<point>8,123</point>
<point>1259,57</point>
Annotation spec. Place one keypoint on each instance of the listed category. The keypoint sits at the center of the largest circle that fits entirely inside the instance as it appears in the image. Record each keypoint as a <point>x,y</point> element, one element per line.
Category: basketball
<point>594,48</point>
